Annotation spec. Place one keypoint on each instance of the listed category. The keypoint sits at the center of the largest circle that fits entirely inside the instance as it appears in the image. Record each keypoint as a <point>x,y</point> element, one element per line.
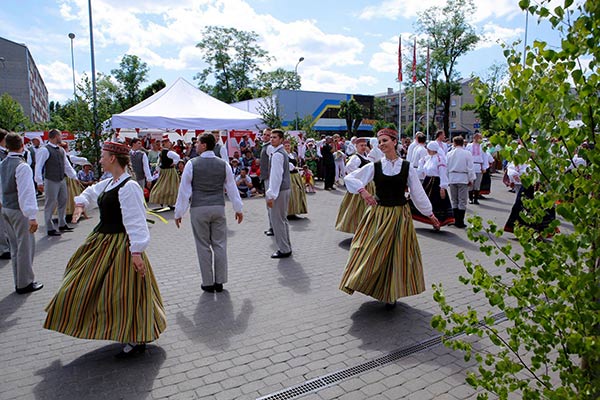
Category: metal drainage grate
<point>330,379</point>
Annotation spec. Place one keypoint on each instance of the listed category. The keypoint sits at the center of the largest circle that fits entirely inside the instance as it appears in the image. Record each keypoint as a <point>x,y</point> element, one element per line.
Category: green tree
<point>233,57</point>
<point>450,35</point>
<point>353,113</point>
<point>549,290</point>
<point>270,111</point>
<point>485,92</point>
<point>12,116</point>
<point>152,89</point>
<point>380,124</point>
<point>381,110</point>
<point>132,72</point>
<point>278,79</point>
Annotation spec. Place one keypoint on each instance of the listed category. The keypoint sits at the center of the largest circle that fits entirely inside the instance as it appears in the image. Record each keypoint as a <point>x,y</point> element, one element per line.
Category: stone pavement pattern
<point>278,323</point>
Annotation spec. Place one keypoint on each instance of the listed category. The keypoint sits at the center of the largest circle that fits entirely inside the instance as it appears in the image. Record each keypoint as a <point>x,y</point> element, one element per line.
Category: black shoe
<point>53,233</point>
<point>269,232</point>
<point>129,351</point>
<point>208,288</point>
<point>218,287</point>
<point>65,228</point>
<point>32,287</point>
<point>5,256</point>
<point>279,254</point>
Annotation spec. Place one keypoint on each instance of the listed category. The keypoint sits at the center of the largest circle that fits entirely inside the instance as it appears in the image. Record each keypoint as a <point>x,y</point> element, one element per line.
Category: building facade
<point>20,78</point>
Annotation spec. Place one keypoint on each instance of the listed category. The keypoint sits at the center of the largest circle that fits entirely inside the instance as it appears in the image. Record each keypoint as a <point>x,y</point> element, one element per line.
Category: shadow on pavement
<point>299,224</point>
<point>9,305</point>
<point>293,275</point>
<point>214,322</point>
<point>345,244</point>
<point>99,374</point>
<point>447,236</point>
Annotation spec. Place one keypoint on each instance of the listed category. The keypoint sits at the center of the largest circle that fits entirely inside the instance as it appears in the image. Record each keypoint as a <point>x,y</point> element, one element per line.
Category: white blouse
<point>434,166</point>
<point>361,177</point>
<point>354,163</point>
<point>133,210</point>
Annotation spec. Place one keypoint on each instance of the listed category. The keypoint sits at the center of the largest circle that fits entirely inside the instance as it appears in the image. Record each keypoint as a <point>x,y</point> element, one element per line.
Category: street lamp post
<point>296,94</point>
<point>95,142</point>
<point>72,36</point>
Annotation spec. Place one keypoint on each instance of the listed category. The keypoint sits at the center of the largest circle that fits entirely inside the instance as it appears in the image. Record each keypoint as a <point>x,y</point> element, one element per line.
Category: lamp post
<point>72,36</point>
<point>296,94</point>
<point>95,142</point>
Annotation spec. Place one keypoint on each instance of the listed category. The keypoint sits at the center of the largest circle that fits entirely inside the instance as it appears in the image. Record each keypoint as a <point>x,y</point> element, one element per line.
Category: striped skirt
<point>166,187</point>
<point>385,259</point>
<point>297,204</point>
<point>103,298</point>
<point>351,211</point>
<point>74,188</point>
<point>442,208</point>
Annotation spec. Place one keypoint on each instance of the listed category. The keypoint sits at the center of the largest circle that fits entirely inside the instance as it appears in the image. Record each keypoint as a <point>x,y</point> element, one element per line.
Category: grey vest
<point>54,169</point>
<point>3,154</point>
<point>8,174</point>
<point>285,180</point>
<point>217,150</point>
<point>137,163</point>
<point>208,180</point>
<point>264,163</point>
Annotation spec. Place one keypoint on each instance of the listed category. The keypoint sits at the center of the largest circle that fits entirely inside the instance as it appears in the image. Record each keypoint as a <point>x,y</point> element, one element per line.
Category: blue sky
<point>348,46</point>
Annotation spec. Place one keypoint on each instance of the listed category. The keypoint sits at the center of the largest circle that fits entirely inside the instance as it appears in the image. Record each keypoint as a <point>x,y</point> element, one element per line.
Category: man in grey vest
<point>52,160</point>
<point>264,170</point>
<point>140,164</point>
<point>4,245</point>
<point>220,150</point>
<point>19,213</point>
<point>203,181</point>
<point>278,194</point>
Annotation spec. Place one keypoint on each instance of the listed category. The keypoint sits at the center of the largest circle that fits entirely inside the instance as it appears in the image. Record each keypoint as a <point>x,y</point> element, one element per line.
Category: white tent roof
<point>183,106</point>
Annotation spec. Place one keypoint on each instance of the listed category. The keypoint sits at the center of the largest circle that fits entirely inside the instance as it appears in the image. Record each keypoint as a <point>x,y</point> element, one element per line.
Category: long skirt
<point>351,210</point>
<point>297,204</point>
<point>442,208</point>
<point>102,297</point>
<point>385,259</point>
<point>486,183</point>
<point>74,188</point>
<point>166,188</point>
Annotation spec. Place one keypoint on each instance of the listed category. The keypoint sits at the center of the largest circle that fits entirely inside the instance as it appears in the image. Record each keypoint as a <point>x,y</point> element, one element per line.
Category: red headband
<point>388,132</point>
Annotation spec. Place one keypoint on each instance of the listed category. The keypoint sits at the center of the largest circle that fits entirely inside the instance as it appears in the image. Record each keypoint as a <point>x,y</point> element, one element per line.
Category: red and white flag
<point>414,64</point>
<point>400,59</point>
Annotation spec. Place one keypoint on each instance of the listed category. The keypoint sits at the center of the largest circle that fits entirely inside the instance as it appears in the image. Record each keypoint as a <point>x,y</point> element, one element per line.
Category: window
<point>453,114</point>
<point>453,125</point>
<point>453,103</point>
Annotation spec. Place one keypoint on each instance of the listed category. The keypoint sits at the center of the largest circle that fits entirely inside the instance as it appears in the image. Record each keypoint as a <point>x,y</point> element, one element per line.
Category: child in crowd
<point>309,182</point>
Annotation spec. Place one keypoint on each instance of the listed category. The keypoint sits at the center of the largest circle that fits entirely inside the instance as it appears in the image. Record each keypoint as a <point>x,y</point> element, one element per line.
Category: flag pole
<point>427,88</point>
<point>414,79</point>
<point>400,85</point>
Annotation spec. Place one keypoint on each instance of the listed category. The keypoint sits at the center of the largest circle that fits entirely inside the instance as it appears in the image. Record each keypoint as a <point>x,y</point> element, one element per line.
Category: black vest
<point>363,161</point>
<point>390,189</point>
<point>165,162</point>
<point>111,219</point>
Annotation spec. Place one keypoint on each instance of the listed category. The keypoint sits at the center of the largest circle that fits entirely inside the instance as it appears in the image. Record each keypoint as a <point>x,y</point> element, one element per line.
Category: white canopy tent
<point>183,106</point>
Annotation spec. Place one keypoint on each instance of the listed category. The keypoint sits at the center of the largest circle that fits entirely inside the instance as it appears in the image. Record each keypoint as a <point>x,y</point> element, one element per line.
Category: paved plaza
<point>277,324</point>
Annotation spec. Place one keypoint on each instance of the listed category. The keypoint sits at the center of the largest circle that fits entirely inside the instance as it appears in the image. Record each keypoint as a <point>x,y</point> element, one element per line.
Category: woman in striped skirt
<point>353,206</point>
<point>297,204</point>
<point>164,192</point>
<point>385,259</point>
<point>109,291</point>
<point>432,169</point>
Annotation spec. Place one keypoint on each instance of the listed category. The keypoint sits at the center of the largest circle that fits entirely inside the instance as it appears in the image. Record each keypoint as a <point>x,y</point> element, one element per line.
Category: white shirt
<point>77,160</point>
<point>223,152</point>
<point>419,152</point>
<point>443,150</point>
<point>41,156</point>
<point>184,196</point>
<point>275,173</point>
<point>133,210</point>
<point>146,164</point>
<point>411,148</point>
<point>460,166</point>
<point>479,157</point>
<point>361,177</point>
<point>25,188</point>
<point>434,165</point>
<point>354,163</point>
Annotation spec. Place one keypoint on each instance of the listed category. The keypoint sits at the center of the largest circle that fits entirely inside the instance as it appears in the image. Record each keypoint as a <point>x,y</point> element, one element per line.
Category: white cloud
<point>316,79</point>
<point>58,79</point>
<point>494,34</point>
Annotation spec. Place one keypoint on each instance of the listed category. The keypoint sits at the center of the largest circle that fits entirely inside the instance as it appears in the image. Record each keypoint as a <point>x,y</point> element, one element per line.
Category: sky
<point>348,46</point>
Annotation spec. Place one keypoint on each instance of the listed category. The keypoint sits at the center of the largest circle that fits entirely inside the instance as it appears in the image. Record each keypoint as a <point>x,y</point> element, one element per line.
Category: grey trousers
<point>4,245</point>
<point>281,228</point>
<point>22,246</point>
<point>266,182</point>
<point>459,195</point>
<point>477,181</point>
<point>56,197</point>
<point>210,233</point>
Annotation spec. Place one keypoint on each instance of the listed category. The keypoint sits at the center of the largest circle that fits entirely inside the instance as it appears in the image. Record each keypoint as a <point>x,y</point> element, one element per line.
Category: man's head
<point>243,172</point>
<point>440,135</point>
<point>136,144</point>
<point>477,137</point>
<point>266,135</point>
<point>421,138</point>
<point>87,168</point>
<point>361,145</point>
<point>458,141</point>
<point>216,134</point>
<point>236,154</point>
<point>206,143</point>
<point>14,142</point>
<point>36,141</point>
<point>166,143</point>
<point>276,137</point>
<point>55,137</point>
<point>3,134</point>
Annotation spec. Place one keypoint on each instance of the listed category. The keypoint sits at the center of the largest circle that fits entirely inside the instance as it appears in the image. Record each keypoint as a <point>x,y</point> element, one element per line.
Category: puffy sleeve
<point>89,197</point>
<point>417,193</point>
<point>133,210</point>
<point>353,164</point>
<point>443,172</point>
<point>361,178</point>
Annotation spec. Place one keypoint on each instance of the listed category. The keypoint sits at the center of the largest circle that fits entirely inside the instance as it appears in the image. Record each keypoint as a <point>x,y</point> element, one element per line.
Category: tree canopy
<point>12,116</point>
<point>132,72</point>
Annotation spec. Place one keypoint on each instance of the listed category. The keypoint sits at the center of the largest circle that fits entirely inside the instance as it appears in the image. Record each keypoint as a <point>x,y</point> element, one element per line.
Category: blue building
<point>322,107</point>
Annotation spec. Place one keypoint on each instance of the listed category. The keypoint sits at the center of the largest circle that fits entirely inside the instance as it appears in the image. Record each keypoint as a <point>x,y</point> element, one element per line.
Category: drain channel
<point>324,381</point>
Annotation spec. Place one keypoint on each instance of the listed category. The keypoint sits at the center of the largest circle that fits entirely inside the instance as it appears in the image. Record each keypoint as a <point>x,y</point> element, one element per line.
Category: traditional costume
<point>297,204</point>
<point>165,189</point>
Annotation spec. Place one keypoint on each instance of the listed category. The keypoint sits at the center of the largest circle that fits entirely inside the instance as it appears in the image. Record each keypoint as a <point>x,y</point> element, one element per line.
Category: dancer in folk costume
<point>353,206</point>
<point>434,174</point>
<point>109,291</point>
<point>297,204</point>
<point>164,192</point>
<point>385,259</point>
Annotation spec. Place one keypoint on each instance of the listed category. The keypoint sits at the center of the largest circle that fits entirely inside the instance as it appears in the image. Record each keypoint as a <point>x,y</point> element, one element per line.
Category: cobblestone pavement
<point>277,324</point>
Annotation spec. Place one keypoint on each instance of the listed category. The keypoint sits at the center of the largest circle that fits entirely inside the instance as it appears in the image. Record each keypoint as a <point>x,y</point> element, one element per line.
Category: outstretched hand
<point>239,217</point>
<point>178,222</point>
